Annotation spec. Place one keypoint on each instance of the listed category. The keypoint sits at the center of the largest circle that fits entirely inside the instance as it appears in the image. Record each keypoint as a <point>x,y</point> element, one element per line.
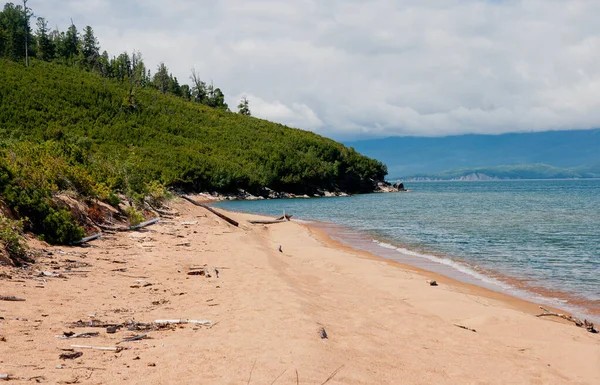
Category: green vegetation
<point>522,171</point>
<point>75,120</point>
<point>11,238</point>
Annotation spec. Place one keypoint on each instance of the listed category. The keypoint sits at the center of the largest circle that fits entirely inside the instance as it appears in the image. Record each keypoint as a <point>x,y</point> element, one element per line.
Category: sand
<point>384,323</point>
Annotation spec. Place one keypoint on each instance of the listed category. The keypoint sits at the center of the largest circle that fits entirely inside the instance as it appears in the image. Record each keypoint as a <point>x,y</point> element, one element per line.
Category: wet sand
<point>384,323</point>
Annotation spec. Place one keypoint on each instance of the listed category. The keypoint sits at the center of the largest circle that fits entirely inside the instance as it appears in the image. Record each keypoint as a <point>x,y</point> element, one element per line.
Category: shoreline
<point>279,287</point>
<point>488,280</point>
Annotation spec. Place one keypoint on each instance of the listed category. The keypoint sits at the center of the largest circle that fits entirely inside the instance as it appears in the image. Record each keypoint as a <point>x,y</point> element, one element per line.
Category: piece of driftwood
<point>11,298</point>
<point>332,375</point>
<point>134,338</point>
<point>129,228</point>
<point>50,274</point>
<point>103,348</point>
<point>285,217</point>
<point>70,356</point>
<point>4,377</point>
<point>223,217</point>
<point>585,323</point>
<point>70,335</point>
<point>87,239</point>
<point>266,221</point>
<point>432,283</point>
<point>466,328</point>
<point>182,321</point>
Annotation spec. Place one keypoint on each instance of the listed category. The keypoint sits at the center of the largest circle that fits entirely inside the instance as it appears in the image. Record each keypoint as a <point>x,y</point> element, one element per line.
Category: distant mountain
<point>406,156</point>
<point>524,171</point>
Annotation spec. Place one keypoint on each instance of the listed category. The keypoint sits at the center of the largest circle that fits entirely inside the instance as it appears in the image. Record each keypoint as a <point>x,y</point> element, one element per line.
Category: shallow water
<point>528,238</point>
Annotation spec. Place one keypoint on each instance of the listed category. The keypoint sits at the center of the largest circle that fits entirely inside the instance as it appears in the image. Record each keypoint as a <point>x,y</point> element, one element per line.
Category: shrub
<point>135,217</point>
<point>12,239</point>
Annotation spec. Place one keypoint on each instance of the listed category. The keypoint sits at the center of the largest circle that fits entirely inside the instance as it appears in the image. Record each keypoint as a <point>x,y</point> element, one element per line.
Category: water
<point>535,239</point>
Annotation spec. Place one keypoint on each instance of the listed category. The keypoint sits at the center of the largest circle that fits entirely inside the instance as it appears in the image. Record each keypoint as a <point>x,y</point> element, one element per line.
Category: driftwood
<point>466,328</point>
<point>70,335</point>
<point>11,298</point>
<point>182,321</point>
<point>70,356</point>
<point>4,377</point>
<point>332,375</point>
<point>87,239</point>
<point>130,228</point>
<point>223,217</point>
<point>323,333</point>
<point>104,348</point>
<point>266,221</point>
<point>134,338</point>
<point>585,323</point>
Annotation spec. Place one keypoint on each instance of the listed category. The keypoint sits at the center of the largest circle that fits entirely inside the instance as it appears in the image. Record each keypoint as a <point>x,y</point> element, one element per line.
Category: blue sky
<point>353,69</point>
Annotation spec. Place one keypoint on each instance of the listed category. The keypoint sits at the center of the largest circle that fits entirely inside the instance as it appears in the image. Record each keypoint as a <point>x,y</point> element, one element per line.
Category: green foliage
<point>134,216</point>
<point>167,139</point>
<point>11,237</point>
<point>244,107</point>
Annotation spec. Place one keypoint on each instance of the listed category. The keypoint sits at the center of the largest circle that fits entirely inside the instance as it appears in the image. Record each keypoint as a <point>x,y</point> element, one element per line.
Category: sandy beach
<point>279,286</point>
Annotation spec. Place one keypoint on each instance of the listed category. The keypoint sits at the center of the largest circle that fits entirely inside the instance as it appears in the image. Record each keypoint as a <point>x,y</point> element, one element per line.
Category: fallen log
<point>223,217</point>
<point>466,328</point>
<point>130,228</point>
<point>70,335</point>
<point>87,239</point>
<point>585,323</point>
<point>11,298</point>
<point>266,221</point>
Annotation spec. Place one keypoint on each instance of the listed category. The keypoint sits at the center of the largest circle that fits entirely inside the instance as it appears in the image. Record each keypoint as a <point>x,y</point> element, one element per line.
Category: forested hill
<point>143,134</point>
<point>79,122</point>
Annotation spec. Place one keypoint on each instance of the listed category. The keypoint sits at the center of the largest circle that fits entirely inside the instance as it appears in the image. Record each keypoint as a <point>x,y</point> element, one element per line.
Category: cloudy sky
<point>355,69</point>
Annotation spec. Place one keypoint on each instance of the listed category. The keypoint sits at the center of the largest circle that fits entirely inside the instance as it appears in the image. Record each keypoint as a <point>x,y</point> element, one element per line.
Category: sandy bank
<point>385,324</point>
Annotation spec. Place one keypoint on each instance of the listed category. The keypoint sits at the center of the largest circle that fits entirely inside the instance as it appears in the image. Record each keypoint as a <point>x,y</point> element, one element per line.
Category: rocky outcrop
<point>389,187</point>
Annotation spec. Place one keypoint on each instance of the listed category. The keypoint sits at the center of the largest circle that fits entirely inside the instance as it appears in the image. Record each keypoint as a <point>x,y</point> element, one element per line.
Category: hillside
<point>409,156</point>
<point>64,128</point>
<point>524,171</point>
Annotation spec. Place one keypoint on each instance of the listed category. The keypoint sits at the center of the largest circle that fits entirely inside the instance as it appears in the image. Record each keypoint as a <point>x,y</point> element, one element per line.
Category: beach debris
<point>11,298</point>
<point>323,333</point>
<point>50,274</point>
<point>70,356</point>
<point>285,217</point>
<point>103,348</point>
<point>280,249</point>
<point>4,377</point>
<point>266,221</point>
<point>251,370</point>
<point>224,217</point>
<point>279,376</point>
<point>130,228</point>
<point>432,283</point>
<point>466,328</point>
<point>589,326</point>
<point>87,239</point>
<point>70,335</point>
<point>182,321</point>
<point>134,338</point>
<point>332,375</point>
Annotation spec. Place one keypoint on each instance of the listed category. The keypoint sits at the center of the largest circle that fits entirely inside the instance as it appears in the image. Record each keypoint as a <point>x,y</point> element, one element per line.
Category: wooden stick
<point>78,335</point>
<point>182,321</point>
<point>466,328</point>
<point>225,218</point>
<point>333,374</point>
<point>279,376</point>
<point>251,370</point>
<point>11,298</point>
<point>266,221</point>
<point>110,349</point>
<point>575,320</point>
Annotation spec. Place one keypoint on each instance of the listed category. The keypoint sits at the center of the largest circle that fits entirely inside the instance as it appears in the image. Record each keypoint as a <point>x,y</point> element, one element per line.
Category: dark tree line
<point>82,49</point>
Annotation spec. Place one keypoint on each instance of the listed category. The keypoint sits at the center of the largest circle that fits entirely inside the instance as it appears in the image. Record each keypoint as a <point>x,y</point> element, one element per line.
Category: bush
<point>135,217</point>
<point>11,237</point>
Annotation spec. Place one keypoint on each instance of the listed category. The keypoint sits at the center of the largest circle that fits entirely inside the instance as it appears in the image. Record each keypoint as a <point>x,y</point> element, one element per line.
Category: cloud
<point>347,68</point>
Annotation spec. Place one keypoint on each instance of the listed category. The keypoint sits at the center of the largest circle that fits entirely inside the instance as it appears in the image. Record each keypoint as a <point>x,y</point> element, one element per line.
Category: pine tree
<point>244,106</point>
<point>45,46</point>
<point>90,48</point>
<point>161,78</point>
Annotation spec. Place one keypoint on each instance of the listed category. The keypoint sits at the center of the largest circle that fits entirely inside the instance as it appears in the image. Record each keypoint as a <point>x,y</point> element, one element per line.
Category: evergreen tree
<point>45,46</point>
<point>174,87</point>
<point>199,91</point>
<point>68,44</point>
<point>161,78</point>
<point>244,106</point>
<point>14,31</point>
<point>90,48</point>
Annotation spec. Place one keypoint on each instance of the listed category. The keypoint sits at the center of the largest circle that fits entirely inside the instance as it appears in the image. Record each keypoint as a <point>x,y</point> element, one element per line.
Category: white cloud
<point>353,68</point>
